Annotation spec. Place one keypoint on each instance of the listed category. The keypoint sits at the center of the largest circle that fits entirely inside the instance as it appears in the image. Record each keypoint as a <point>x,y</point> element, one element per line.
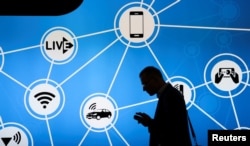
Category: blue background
<point>179,51</point>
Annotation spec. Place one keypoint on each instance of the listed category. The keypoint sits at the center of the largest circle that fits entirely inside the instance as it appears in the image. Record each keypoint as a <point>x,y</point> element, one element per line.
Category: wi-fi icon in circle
<point>44,98</point>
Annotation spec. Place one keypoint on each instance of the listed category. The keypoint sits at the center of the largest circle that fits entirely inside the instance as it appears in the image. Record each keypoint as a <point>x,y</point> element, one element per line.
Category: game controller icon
<point>226,73</point>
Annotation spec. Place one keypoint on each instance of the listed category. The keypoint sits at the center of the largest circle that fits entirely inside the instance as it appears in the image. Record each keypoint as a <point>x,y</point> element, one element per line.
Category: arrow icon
<point>68,45</point>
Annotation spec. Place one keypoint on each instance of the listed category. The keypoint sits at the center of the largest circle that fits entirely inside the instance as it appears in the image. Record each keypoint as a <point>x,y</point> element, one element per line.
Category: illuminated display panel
<point>73,79</point>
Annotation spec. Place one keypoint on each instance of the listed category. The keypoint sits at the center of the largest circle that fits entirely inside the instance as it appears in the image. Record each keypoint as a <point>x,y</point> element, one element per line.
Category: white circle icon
<point>226,75</point>
<point>44,99</point>
<point>136,24</point>
<point>186,88</point>
<point>98,112</point>
<point>59,45</point>
<point>13,136</point>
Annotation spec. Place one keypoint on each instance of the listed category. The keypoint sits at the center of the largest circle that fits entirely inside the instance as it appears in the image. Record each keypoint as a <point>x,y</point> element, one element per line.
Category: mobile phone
<point>136,24</point>
<point>226,71</point>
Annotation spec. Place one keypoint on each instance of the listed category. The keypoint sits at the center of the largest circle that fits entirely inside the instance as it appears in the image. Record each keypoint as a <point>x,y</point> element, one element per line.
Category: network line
<point>108,137</point>
<point>106,131</point>
<point>150,5</point>
<point>201,85</point>
<point>232,103</point>
<point>85,135</point>
<point>209,116</point>
<point>137,104</point>
<point>49,130</point>
<point>15,51</point>
<point>167,7</point>
<point>1,123</point>
<point>19,50</point>
<point>13,79</point>
<point>204,27</point>
<point>247,84</point>
<point>96,33</point>
<point>234,110</point>
<point>88,62</point>
<point>124,140</point>
<point>118,68</point>
<point>49,72</point>
<point>156,59</point>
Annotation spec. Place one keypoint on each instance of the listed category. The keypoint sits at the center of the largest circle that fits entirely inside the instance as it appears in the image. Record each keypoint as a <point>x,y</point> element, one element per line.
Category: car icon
<point>99,113</point>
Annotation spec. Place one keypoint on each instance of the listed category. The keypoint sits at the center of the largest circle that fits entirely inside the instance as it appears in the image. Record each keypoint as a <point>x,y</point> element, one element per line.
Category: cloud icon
<point>38,7</point>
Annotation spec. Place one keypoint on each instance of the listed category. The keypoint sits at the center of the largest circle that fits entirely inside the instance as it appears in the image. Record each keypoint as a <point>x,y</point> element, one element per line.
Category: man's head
<point>151,79</point>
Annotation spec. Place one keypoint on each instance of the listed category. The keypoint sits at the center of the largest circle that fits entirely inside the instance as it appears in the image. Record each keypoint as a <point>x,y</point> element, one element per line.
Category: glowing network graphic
<point>136,25</point>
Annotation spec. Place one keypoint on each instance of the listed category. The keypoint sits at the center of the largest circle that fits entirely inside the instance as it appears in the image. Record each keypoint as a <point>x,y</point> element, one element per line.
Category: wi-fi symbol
<point>17,137</point>
<point>44,98</point>
<point>92,106</point>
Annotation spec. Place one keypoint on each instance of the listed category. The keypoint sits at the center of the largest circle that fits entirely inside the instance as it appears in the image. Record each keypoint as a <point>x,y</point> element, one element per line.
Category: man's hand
<point>143,118</point>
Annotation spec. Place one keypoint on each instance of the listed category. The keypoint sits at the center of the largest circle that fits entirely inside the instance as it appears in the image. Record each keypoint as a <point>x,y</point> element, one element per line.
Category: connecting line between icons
<point>85,135</point>
<point>117,70</point>
<point>49,72</point>
<point>194,104</point>
<point>106,131</point>
<point>88,62</point>
<point>108,136</point>
<point>49,130</point>
<point>150,5</point>
<point>246,72</point>
<point>137,104</point>
<point>199,86</point>
<point>13,79</point>
<point>204,27</point>
<point>156,59</point>
<point>1,123</point>
<point>209,116</point>
<point>96,33</point>
<point>124,140</point>
<point>19,50</point>
<point>245,83</point>
<point>169,6</point>
<point>231,99</point>
<point>234,110</point>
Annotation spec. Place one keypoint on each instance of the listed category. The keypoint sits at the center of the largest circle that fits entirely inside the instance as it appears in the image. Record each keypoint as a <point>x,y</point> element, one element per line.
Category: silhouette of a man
<point>170,123</point>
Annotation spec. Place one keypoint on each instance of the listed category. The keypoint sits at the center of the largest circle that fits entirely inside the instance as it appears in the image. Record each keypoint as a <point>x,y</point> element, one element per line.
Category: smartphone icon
<point>136,24</point>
